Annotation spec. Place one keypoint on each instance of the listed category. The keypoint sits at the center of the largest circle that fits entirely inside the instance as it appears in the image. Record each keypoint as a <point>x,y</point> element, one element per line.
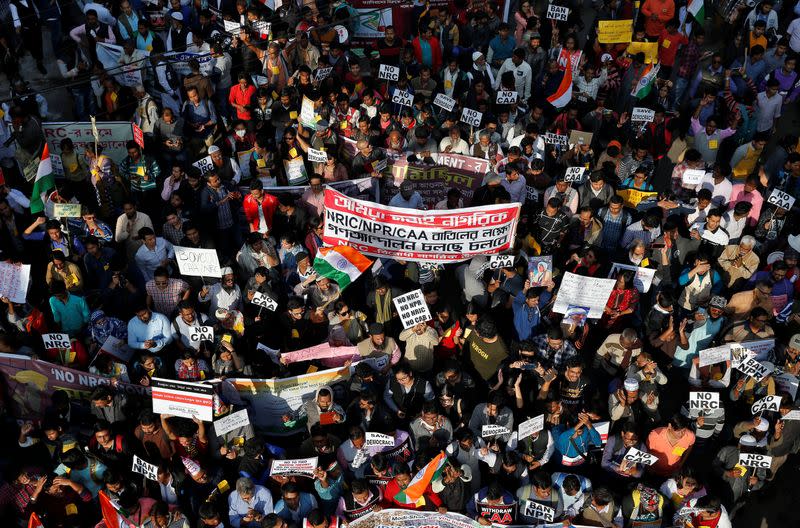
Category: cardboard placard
<point>66,210</point>
<point>574,174</point>
<point>781,199</point>
<point>471,117</point>
<point>712,356</point>
<point>693,176</point>
<point>766,404</point>
<point>198,262</point>
<point>614,31</point>
<point>389,73</point>
<point>300,467</point>
<point>181,398</point>
<point>578,137</point>
<point>753,460</point>
<point>444,102</point>
<point>635,456</point>
<point>317,156</point>
<point>529,427</point>
<point>231,422</point>
<point>403,98</point>
<point>264,301</point>
<point>56,341</point>
<point>378,440</point>
<point>150,471</point>
<point>201,333</point>
<point>703,400</point>
<point>556,12</point>
<point>204,165</point>
<point>493,430</point>
<point>412,308</point>
<point>643,115</point>
<point>506,97</point>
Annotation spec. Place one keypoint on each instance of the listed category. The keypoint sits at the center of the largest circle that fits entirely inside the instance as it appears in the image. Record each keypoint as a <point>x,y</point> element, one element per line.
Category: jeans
<point>681,86</point>
<point>84,102</point>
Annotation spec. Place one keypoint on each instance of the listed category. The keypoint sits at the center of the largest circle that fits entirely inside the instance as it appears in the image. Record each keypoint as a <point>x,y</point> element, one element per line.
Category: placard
<point>755,369</point>
<point>231,422</point>
<point>540,270</point>
<point>117,348</point>
<point>66,210</point>
<point>403,98</point>
<point>634,456</point>
<point>753,460</point>
<point>204,165</point>
<point>650,50</point>
<point>265,301</point>
<point>323,73</point>
<point>317,156</point>
<point>389,73</point>
<point>471,117</point>
<point>642,278</point>
<point>299,467</point>
<point>529,427</point>
<point>500,261</point>
<point>766,404</point>
<point>794,414</point>
<point>712,356</point>
<point>56,341</point>
<point>197,262</point>
<point>138,135</point>
<point>444,102</point>
<point>693,176</point>
<point>184,399</point>
<point>296,173</point>
<point>412,308</point>
<point>555,139</point>
<point>537,511</point>
<point>614,31</point>
<point>150,471</point>
<point>14,279</point>
<point>497,513</point>
<point>719,237</point>
<point>574,174</point>
<point>703,400</point>
<point>556,12</point>
<point>378,440</point>
<point>201,333</point>
<point>489,430</point>
<point>645,115</point>
<point>589,293</point>
<point>506,97</point>
<point>231,27</point>
<point>781,199</point>
<point>787,383</point>
<point>579,137</point>
<point>307,114</point>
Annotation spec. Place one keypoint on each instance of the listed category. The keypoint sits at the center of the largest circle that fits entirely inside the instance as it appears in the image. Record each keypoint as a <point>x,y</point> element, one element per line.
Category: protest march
<point>399,264</point>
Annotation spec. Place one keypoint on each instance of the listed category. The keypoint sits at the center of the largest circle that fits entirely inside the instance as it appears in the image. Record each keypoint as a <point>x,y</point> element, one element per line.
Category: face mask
<point>241,133</point>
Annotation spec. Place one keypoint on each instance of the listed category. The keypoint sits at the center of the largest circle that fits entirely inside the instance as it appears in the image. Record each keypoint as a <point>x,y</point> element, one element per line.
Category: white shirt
<point>794,35</point>
<point>720,192</point>
<point>523,77</point>
<point>732,226</point>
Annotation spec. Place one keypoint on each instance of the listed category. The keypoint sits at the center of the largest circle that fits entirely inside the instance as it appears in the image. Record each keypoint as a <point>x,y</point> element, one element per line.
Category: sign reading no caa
<point>184,399</point>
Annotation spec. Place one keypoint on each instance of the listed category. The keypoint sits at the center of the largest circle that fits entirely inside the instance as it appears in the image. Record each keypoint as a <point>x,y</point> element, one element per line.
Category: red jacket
<point>436,52</point>
<point>268,204</point>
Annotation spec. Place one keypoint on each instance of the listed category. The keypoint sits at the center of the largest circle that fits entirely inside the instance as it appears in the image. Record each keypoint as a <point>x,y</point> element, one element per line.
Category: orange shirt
<point>663,10</point>
<point>669,454</point>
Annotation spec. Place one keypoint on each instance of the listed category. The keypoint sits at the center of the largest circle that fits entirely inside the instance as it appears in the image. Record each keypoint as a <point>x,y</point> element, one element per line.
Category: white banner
<point>113,135</point>
<point>587,293</point>
<point>529,427</point>
<point>231,422</point>
<point>196,262</point>
<point>181,398</point>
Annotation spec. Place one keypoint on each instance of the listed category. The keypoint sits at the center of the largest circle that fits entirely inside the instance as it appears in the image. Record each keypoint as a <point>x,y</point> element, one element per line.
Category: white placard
<point>14,279</point>
<point>205,165</point>
<point>529,427</point>
<point>753,460</point>
<point>755,369</point>
<point>506,97</point>
<point>693,176</point>
<point>444,102</point>
<point>389,73</point>
<point>181,398</point>
<point>150,471</point>
<point>556,12</point>
<point>787,383</point>
<point>501,261</point>
<point>794,414</point>
<point>66,210</point>
<point>231,27</point>
<point>117,348</point>
<point>57,163</point>
<point>302,467</point>
<point>719,237</point>
<point>201,333</point>
<point>56,341</point>
<point>634,456</point>
<point>231,422</point>
<point>703,400</point>
<point>781,199</point>
<point>644,115</point>
<point>471,117</point>
<point>378,440</point>
<point>766,404</point>
<point>574,174</point>
<point>493,430</point>
<point>712,356</point>
<point>264,301</point>
<point>642,278</point>
<point>590,293</point>
<point>323,73</point>
<point>412,308</point>
<point>556,139</point>
<point>317,156</point>
<point>538,511</point>
<point>198,262</point>
<point>403,98</point>
<point>307,113</point>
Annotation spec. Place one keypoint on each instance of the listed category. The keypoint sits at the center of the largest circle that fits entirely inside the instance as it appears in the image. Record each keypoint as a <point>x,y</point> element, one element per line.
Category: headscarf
<point>104,326</point>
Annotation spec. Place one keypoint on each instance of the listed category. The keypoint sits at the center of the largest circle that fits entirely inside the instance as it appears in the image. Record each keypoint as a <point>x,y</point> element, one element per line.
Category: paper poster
<point>56,341</point>
<point>204,165</point>
<point>766,404</point>
<point>389,73</point>
<point>614,31</point>
<point>590,293</point>
<point>642,279</point>
<point>712,356</point>
<point>264,301</point>
<point>181,398</point>
<point>378,440</point>
<point>201,333</point>
<point>412,308</point>
<point>150,471</point>
<point>555,139</point>
<point>753,368</point>
<point>650,50</point>
<point>14,279</point>
<point>500,261</point>
<point>794,414</point>
<point>231,422</point>
<point>557,12</point>
<point>574,174</point>
<point>317,156</point>
<point>634,456</point>
<point>579,137</point>
<point>753,460</point>
<point>490,430</point>
<point>323,73</point>
<point>197,262</point>
<point>506,97</point>
<point>403,98</point>
<point>703,400</point>
<point>308,117</point>
<point>540,270</point>
<point>693,176</point>
<point>537,511</point>
<point>330,356</point>
<point>66,210</point>
<point>632,197</point>
<point>296,173</point>
<point>113,135</point>
<point>471,117</point>
<point>643,115</point>
<point>299,467</point>
<point>781,199</point>
<point>444,102</point>
<point>529,427</point>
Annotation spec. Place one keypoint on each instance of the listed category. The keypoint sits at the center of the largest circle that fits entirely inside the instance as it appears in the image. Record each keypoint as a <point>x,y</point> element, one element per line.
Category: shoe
<point>41,68</point>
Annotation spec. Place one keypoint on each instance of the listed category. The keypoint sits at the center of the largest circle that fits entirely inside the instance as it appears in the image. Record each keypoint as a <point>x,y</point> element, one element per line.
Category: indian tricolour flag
<point>697,8</point>
<point>113,515</point>
<point>34,521</point>
<point>646,81</point>
<point>43,183</point>
<point>563,94</point>
<point>433,470</point>
<point>342,264</point>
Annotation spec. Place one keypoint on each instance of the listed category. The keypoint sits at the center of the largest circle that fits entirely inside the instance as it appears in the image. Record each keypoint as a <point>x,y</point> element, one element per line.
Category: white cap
<point>466,473</point>
<point>477,55</point>
<point>605,57</point>
<point>763,425</point>
<point>212,149</point>
<point>748,441</point>
<point>177,15</point>
<point>227,270</point>
<point>631,384</point>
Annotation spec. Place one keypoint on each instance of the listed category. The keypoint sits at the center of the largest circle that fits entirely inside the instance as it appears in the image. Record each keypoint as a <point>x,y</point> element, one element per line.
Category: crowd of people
<point>696,200</point>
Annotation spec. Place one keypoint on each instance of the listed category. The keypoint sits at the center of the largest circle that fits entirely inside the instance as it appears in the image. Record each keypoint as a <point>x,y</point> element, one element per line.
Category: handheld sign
<point>711,356</point>
<point>264,301</point>
<point>150,471</point>
<point>323,73</point>
<point>753,460</point>
<point>201,333</point>
<point>56,341</point>
<point>230,26</point>
<point>317,156</point>
<point>403,98</point>
<point>703,401</point>
<point>529,427</point>
<point>538,511</point>
<point>778,198</point>
<point>754,368</point>
<point>767,403</point>
<point>184,399</point>
<point>644,115</point>
<point>556,12</point>
<point>506,97</point>
<point>197,262</point>
<point>204,165</point>
<point>66,210</point>
<point>378,440</point>
<point>794,414</point>
<point>117,348</point>
<point>471,117</point>
<point>301,467</point>
<point>634,456</point>
<point>231,422</point>
<point>412,308</point>
<point>556,139</point>
<point>693,176</point>
<point>574,174</point>
<point>493,430</point>
<point>388,73</point>
<point>138,135</point>
<point>444,102</point>
<point>501,261</point>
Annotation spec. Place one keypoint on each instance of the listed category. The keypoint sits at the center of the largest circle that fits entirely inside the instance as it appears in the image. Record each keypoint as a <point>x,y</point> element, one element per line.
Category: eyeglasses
<point>344,313</point>
<point>402,379</point>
